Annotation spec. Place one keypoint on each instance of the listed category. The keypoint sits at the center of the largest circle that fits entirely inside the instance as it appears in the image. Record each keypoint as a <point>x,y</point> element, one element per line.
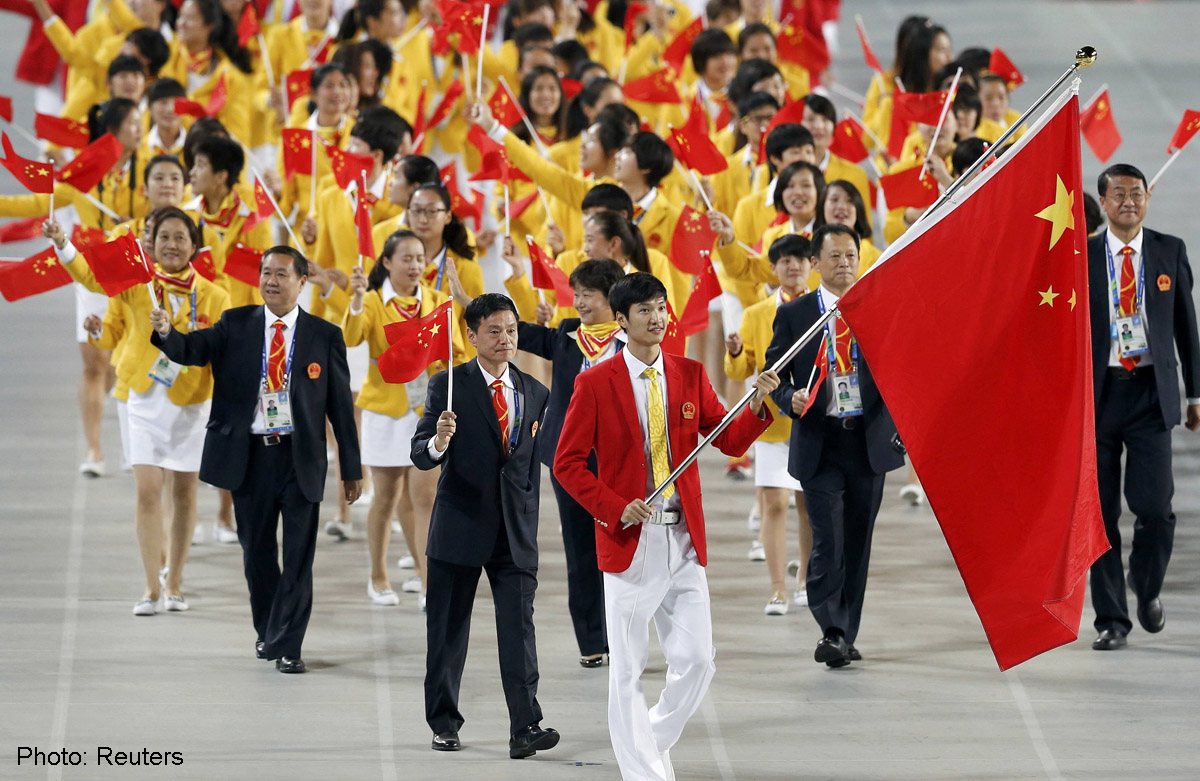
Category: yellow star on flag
<point>1048,297</point>
<point>1061,213</point>
<point>1071,300</point>
<point>434,331</point>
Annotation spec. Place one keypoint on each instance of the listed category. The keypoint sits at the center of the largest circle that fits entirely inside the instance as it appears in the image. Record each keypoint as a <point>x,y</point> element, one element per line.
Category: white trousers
<point>664,583</point>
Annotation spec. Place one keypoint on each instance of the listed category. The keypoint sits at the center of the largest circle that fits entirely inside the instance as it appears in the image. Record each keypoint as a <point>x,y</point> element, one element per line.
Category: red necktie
<point>276,360</point>
<point>501,407</point>
<point>841,346</point>
<point>1128,297</point>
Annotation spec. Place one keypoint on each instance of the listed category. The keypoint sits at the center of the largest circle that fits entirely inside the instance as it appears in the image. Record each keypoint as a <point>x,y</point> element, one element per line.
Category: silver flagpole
<point>1083,58</point>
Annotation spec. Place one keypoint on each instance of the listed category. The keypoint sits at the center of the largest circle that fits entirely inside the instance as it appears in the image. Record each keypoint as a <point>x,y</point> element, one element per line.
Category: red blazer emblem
<point>689,411</point>
<point>314,371</point>
<point>1164,282</point>
<point>533,430</point>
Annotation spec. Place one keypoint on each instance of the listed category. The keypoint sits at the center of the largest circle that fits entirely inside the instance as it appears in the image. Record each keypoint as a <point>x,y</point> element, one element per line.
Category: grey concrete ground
<point>78,671</point>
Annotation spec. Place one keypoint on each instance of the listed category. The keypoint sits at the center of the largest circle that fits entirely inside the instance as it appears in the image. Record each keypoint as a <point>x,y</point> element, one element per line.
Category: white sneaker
<point>337,529</point>
<point>175,603</point>
<point>800,597</point>
<point>793,568</point>
<point>407,562</point>
<point>224,534</point>
<point>386,597</point>
<point>421,603</point>
<point>412,585</point>
<point>396,529</point>
<point>754,521</point>
<point>913,494</point>
<point>92,468</point>
<point>778,605</point>
<point>145,607</point>
<point>756,552</point>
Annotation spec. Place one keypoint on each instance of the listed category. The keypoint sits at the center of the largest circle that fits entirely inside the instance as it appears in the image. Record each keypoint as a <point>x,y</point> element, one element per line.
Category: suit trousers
<point>664,584</point>
<point>1128,418</point>
<point>280,601</point>
<point>450,597</point>
<point>843,498</point>
<point>585,584</point>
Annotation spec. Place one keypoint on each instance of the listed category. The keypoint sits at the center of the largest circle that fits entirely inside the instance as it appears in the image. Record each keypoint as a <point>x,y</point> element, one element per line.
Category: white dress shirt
<point>510,393</point>
<point>1115,246</point>
<point>829,299</point>
<point>259,426</point>
<point>641,399</point>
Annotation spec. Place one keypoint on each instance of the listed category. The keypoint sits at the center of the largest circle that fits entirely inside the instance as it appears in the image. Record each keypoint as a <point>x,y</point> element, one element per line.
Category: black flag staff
<point>1083,58</point>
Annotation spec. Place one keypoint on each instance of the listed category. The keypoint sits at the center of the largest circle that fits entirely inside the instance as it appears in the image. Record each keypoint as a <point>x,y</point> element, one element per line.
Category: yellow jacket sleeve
<point>741,264</point>
<point>521,292</point>
<point>570,188</point>
<point>114,326</point>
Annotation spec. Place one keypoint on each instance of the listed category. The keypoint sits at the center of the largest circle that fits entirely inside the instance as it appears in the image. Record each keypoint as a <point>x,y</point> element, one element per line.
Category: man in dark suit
<point>485,517</point>
<point>1139,281</point>
<point>840,450</point>
<point>274,464</point>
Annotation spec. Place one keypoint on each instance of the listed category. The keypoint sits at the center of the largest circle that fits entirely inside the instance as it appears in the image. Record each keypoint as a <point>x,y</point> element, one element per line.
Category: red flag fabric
<point>446,105</point>
<point>704,289</point>
<point>808,51</point>
<point>362,221</point>
<point>909,107</point>
<point>415,345</point>
<point>84,237</point>
<point>692,243</point>
<point>22,230</point>
<point>262,208</point>
<point>632,11</point>
<point>503,108</point>
<point>517,208</point>
<point>61,131</point>
<point>297,151</point>
<point>1187,128</point>
<point>547,276</point>
<point>790,114</point>
<point>242,264</point>
<point>674,342</point>
<point>821,365</point>
<point>571,88</point>
<point>6,109</point>
<point>204,264</point>
<point>494,164</point>
<point>35,274</point>
<point>217,98</point>
<point>348,167</point>
<point>657,87</point>
<point>247,25</point>
<point>697,151</point>
<point>680,47</point>
<point>1023,530</point>
<point>907,188</point>
<point>189,108</point>
<point>848,142</point>
<point>868,54</point>
<point>1099,128</point>
<point>89,166</point>
<point>118,265</point>
<point>459,204</point>
<point>299,84</point>
<point>418,123</point>
<point>1003,67</point>
<point>35,176</point>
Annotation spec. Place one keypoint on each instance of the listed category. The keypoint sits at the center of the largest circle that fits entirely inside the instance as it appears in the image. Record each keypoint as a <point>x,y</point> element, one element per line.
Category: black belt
<point>270,440</point>
<point>1137,373</point>
<point>849,424</point>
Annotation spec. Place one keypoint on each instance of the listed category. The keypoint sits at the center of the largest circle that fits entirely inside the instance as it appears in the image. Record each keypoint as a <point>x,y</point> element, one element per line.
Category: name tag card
<point>1130,333</point>
<point>165,371</point>
<point>277,412</point>
<point>849,395</point>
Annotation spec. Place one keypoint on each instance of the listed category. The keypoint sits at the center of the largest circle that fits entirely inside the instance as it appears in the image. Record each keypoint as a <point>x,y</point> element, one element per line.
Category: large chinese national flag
<point>415,345</point>
<point>987,371</point>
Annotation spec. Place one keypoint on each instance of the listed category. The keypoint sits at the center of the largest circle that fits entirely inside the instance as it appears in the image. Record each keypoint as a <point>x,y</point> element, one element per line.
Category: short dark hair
<point>571,52</point>
<point>991,78</point>
<point>1092,214</point>
<point>821,105</point>
<point>1118,169</point>
<point>633,289</point>
<point>756,100</point>
<point>622,115</point>
<point>532,33</point>
<point>223,155</point>
<point>485,306</point>
<point>299,262</point>
<point>125,63</point>
<point>714,8</point>
<point>789,245</point>
<point>202,128</point>
<point>653,155</point>
<point>749,73</point>
<point>609,197</point>
<point>967,99</point>
<point>164,88</point>
<point>785,178</point>
<point>598,275</point>
<point>835,229</point>
<point>151,44</point>
<point>787,136</point>
<point>965,153</point>
<point>381,129</point>
<point>751,30</point>
<point>418,170</point>
<point>379,272</point>
<point>159,160</point>
<point>709,44</point>
<point>322,72</point>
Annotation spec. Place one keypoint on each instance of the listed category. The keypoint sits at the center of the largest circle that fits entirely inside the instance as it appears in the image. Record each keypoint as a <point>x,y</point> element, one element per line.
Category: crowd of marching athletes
<point>419,153</point>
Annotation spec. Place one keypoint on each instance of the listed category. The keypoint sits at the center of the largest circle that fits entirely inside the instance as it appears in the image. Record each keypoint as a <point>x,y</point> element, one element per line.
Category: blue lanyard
<point>287,369</point>
<point>442,268</point>
<point>191,301</point>
<point>515,429</point>
<point>830,335</point>
<point>1114,286</point>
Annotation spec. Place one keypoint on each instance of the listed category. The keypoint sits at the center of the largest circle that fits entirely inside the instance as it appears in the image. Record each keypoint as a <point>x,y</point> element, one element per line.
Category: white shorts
<point>165,434</point>
<point>359,359</point>
<point>87,303</point>
<point>387,441</point>
<point>770,466</point>
<point>731,312</point>
<point>123,424</point>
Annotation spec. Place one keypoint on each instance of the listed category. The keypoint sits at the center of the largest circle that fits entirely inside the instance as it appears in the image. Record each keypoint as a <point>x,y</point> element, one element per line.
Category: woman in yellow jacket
<point>168,404</point>
<point>393,293</point>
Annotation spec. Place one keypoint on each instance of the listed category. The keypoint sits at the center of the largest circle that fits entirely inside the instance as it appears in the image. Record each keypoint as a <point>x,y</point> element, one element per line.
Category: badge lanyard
<point>191,301</point>
<point>829,341</point>
<point>1114,284</point>
<point>287,370</point>
<point>515,430</point>
<point>441,268</point>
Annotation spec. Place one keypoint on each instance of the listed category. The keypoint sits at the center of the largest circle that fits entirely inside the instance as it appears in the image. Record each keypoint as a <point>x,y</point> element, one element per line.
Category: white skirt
<point>123,425</point>
<point>731,312</point>
<point>770,466</point>
<point>165,434</point>
<point>87,303</point>
<point>387,441</point>
<point>359,359</point>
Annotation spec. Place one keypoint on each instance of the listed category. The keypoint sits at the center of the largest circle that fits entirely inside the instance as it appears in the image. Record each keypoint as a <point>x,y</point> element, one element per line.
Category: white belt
<point>663,518</point>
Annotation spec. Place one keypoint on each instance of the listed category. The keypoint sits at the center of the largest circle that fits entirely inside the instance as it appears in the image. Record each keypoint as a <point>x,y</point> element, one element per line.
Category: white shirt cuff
<point>498,131</point>
<point>434,453</point>
<point>1193,402</point>
<point>325,296</point>
<point>353,310</point>
<point>67,253</point>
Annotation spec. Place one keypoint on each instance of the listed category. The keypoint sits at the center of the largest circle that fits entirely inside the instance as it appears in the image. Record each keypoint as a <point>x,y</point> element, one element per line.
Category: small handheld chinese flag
<point>907,188</point>
<point>6,109</point>
<point>868,53</point>
<point>33,275</point>
<point>821,369</point>
<point>494,164</point>
<point>461,207</point>
<point>37,177</point>
<point>348,167</point>
<point>204,264</point>
<point>22,229</point>
<point>680,47</point>
<point>297,152</point>
<point>118,265</point>
<point>299,84</point>
<point>692,242</point>
<point>262,209</point>
<point>1187,128</point>
<point>503,108</point>
<point>362,221</point>
<point>674,342</point>
<point>1003,67</point>
<point>61,131</point>
<point>1098,126</point>
<point>807,51</point>
<point>242,264</point>
<point>548,276</point>
<point>217,98</point>
<point>697,151</point>
<point>704,289</point>
<point>632,11</point>
<point>89,166</point>
<point>84,237</point>
<point>247,26</point>
<point>517,208</point>
<point>657,87</point>
<point>415,345</point>
<point>446,104</point>
<point>909,107</point>
<point>791,114</point>
<point>848,142</point>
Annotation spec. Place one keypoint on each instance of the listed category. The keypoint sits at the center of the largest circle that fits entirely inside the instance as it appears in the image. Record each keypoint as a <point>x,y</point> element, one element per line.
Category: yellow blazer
<point>237,115</point>
<point>756,330</point>
<point>297,193</point>
<point>208,238</point>
<point>337,245</point>
<point>232,231</point>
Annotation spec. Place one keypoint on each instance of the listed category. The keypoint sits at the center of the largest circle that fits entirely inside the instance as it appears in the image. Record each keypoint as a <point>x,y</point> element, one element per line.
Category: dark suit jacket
<point>482,486</point>
<point>320,388</point>
<point>883,449</point>
<point>1170,316</point>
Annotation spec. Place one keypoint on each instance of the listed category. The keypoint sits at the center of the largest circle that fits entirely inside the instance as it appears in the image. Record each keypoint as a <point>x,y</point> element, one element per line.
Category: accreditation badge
<point>164,371</point>
<point>849,395</point>
<point>277,412</point>
<point>416,390</point>
<point>1131,336</point>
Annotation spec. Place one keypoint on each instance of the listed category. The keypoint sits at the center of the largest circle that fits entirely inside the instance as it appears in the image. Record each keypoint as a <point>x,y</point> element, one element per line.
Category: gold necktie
<point>658,433</point>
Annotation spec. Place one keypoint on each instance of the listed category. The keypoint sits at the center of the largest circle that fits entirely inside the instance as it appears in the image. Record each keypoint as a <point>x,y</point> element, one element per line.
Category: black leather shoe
<point>597,661</point>
<point>852,653</point>
<point>286,664</point>
<point>531,740</point>
<point>833,651</point>
<point>1109,640</point>
<point>446,741</point>
<point>260,649</point>
<point>1150,615</point>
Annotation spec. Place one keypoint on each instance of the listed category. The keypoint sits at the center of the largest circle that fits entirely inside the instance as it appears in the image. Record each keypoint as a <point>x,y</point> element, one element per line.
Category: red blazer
<point>603,417</point>
<point>39,59</point>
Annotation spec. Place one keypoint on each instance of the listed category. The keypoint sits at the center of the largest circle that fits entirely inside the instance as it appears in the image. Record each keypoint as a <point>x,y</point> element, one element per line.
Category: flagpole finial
<point>1085,57</point>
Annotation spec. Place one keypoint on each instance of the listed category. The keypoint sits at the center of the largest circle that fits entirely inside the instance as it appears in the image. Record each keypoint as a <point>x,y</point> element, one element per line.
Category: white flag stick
<point>466,77</point>
<point>450,367</point>
<point>537,141</point>
<point>51,204</point>
<point>278,211</point>
<point>95,202</point>
<point>403,40</point>
<point>25,134</point>
<point>869,132</point>
<point>849,94</point>
<point>312,53</point>
<point>507,222</point>
<point>694,181</point>
<point>266,58</point>
<point>154,302</point>
<point>942,118</point>
<point>1157,176</point>
<point>546,206</point>
<point>479,63</point>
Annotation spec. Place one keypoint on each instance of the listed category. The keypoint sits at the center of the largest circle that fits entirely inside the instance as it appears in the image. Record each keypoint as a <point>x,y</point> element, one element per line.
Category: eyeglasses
<point>426,214</point>
<point>1119,196</point>
<point>758,120</point>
